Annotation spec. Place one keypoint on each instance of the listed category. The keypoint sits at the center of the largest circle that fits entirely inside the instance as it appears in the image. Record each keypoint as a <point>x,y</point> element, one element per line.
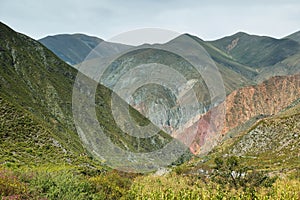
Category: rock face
<point>158,95</point>
<point>281,134</point>
<point>265,99</point>
<point>274,141</point>
<point>268,98</point>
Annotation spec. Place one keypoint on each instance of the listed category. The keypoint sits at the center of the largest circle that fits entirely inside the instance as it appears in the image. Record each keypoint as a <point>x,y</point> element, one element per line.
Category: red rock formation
<point>267,98</point>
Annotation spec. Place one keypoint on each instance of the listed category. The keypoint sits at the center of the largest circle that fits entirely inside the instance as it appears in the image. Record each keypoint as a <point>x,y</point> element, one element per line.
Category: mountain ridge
<point>247,49</point>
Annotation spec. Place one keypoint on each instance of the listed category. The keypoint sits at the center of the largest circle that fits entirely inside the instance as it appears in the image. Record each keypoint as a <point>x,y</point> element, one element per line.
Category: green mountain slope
<point>235,75</point>
<point>39,86</point>
<point>35,79</point>
<point>257,51</point>
<point>26,140</point>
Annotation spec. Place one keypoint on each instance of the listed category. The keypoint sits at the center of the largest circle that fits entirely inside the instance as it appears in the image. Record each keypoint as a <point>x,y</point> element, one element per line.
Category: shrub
<point>111,185</point>
<point>229,172</point>
<point>61,185</point>
<point>10,185</point>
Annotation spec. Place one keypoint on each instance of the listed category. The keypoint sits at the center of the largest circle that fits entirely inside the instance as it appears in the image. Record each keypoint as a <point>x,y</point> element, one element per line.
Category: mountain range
<point>260,75</point>
<point>261,102</point>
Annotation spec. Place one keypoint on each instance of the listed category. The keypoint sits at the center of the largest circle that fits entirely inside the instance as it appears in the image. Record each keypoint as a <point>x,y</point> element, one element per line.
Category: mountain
<point>73,49</point>
<point>34,102</point>
<point>241,65</point>
<point>29,68</point>
<point>256,51</point>
<point>244,107</point>
<point>273,141</point>
<point>42,151</point>
<point>36,108</point>
<point>269,144</point>
<point>155,101</point>
<point>242,59</point>
<point>159,103</point>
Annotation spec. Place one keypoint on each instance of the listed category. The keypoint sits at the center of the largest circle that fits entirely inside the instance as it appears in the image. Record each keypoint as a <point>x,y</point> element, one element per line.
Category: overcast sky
<point>208,19</point>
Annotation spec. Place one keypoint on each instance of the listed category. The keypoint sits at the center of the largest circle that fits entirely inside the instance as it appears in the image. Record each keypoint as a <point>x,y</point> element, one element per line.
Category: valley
<point>250,126</point>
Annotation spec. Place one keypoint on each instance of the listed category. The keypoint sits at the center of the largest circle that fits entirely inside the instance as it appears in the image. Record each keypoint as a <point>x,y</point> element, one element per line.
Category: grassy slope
<point>40,85</point>
<point>26,140</point>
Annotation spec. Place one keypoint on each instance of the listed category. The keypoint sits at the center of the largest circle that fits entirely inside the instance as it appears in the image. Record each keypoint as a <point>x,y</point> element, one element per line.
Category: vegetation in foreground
<point>227,180</point>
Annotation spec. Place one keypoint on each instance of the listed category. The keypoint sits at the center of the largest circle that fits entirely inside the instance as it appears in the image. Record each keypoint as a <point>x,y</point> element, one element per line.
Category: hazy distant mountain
<point>242,59</point>
<point>259,57</point>
<point>73,49</point>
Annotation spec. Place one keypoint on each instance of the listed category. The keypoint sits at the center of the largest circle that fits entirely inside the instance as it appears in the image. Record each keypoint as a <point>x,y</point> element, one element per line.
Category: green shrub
<point>62,185</point>
<point>228,171</point>
<point>111,185</point>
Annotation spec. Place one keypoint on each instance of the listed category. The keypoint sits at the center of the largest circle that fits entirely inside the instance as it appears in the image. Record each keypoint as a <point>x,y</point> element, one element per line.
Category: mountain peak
<point>62,43</point>
<point>240,33</point>
<point>184,37</point>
